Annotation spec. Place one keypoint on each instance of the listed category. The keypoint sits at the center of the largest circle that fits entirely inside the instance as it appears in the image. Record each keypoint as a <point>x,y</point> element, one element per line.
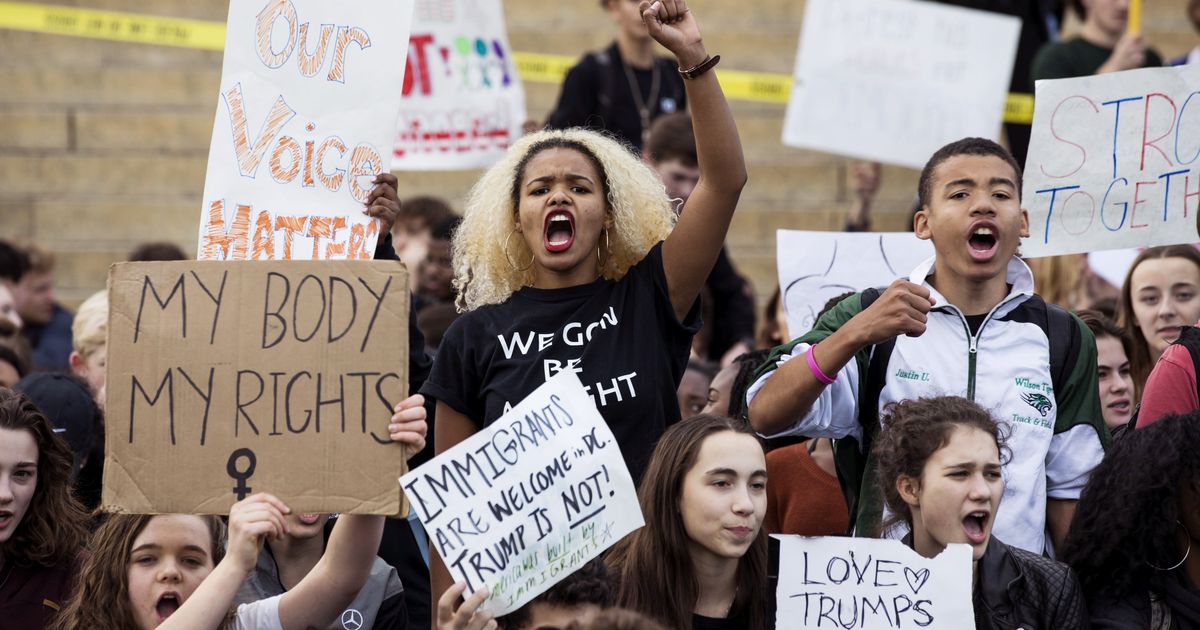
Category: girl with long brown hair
<point>174,571</point>
<point>41,524</point>
<point>1161,295</point>
<point>701,560</point>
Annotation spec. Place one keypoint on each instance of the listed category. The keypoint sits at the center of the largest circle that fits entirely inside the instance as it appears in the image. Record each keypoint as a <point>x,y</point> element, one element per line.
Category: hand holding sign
<point>408,425</point>
<point>467,616</point>
<point>383,203</point>
<point>252,521</point>
<point>524,502</point>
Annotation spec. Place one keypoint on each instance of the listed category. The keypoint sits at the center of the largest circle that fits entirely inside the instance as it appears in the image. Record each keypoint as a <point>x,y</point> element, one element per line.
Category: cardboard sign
<point>1113,162</point>
<point>817,266</point>
<point>874,584</point>
<point>520,505</point>
<point>463,99</point>
<point>305,120</point>
<point>894,81</point>
<point>226,379</point>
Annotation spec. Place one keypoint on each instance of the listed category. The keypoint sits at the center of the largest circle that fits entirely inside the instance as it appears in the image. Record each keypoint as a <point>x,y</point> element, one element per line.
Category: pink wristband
<point>816,369</point>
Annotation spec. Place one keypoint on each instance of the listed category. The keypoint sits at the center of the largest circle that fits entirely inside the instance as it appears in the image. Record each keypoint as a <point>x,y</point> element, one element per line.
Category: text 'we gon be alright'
<point>574,335</point>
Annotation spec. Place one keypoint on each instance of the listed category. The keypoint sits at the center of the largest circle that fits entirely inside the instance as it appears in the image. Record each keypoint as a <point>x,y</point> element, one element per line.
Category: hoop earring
<point>607,248</point>
<point>508,257</point>
<point>1186,553</point>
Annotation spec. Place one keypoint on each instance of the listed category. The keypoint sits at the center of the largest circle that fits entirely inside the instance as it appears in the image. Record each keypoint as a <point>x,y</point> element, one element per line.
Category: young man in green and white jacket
<point>965,323</point>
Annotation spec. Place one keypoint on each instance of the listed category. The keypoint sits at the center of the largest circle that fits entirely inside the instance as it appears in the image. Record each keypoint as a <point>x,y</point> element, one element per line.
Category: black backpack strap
<point>1063,333</point>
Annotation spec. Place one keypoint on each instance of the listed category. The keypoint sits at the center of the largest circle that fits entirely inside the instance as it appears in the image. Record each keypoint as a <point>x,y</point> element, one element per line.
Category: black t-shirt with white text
<point>621,338</point>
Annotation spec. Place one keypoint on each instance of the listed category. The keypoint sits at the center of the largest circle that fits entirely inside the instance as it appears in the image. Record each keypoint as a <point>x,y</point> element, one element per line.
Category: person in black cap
<point>71,410</point>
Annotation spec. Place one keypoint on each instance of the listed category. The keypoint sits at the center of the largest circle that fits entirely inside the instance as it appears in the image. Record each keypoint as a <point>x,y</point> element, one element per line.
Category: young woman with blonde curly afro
<point>569,257</point>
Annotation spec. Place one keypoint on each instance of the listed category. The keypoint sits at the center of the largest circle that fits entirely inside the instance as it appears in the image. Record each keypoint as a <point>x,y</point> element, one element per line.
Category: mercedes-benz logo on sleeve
<point>352,619</point>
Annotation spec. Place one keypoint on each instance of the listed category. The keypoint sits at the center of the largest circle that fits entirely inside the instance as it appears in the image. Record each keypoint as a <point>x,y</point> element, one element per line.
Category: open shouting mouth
<point>982,242</point>
<point>167,604</point>
<point>559,231</point>
<point>975,527</point>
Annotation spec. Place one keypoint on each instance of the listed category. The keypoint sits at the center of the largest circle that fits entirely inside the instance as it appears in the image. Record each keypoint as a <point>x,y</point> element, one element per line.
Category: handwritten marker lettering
<point>1112,162</point>
<point>838,582</point>
<point>530,498</point>
<point>196,375</point>
<point>294,151</point>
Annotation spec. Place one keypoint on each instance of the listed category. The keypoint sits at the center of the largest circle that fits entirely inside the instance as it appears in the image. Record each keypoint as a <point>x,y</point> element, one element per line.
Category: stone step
<point>186,87</point>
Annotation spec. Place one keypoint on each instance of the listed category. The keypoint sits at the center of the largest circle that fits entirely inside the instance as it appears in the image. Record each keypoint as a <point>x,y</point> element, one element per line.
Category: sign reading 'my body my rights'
<point>310,92</point>
<point>229,378</point>
<point>1113,162</point>
<point>873,584</point>
<point>527,500</point>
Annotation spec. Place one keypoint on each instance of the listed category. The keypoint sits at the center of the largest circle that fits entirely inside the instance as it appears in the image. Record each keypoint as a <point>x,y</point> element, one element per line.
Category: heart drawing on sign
<point>916,579</point>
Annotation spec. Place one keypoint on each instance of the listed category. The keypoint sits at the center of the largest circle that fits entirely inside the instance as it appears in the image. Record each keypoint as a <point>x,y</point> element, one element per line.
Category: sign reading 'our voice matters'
<point>533,496</point>
<point>228,378</point>
<point>872,584</point>
<point>1114,162</point>
<point>310,92</point>
<point>463,99</point>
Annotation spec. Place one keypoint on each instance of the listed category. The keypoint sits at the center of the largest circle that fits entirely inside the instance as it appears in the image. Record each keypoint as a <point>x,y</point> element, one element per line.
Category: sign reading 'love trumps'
<point>837,582</point>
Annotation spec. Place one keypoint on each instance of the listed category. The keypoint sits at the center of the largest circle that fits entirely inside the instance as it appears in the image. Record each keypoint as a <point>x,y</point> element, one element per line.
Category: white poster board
<point>816,266</point>
<point>893,81</point>
<point>524,502</point>
<point>305,119</point>
<point>1112,264</point>
<point>879,584</point>
<point>1112,162</point>
<point>463,99</point>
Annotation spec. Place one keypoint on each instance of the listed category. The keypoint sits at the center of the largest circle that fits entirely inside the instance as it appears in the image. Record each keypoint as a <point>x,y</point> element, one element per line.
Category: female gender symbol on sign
<point>241,489</point>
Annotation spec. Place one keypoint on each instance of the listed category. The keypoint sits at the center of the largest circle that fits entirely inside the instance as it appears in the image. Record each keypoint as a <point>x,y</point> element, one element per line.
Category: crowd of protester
<point>1030,410</point>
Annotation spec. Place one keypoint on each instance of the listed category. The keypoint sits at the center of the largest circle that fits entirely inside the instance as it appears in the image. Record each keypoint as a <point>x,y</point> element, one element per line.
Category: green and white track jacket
<point>1031,364</point>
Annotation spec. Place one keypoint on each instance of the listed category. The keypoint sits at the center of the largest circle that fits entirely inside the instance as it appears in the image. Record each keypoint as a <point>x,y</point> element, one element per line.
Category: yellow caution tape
<point>1018,108</point>
<point>759,87</point>
<point>744,86</point>
<point>113,25</point>
<point>539,68</point>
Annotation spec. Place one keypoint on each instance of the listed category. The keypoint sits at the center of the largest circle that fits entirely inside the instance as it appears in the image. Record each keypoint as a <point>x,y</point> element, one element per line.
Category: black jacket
<point>596,93</point>
<point>1018,589</point>
<point>1166,601</point>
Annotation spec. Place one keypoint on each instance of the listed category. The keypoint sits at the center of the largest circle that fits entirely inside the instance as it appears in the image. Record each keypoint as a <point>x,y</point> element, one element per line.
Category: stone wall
<point>103,144</point>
